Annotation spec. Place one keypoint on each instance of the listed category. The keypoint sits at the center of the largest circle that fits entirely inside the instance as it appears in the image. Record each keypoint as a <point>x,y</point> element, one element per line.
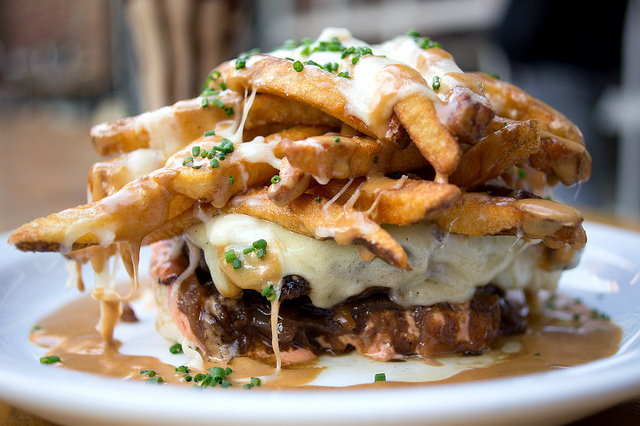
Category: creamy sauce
<point>564,335</point>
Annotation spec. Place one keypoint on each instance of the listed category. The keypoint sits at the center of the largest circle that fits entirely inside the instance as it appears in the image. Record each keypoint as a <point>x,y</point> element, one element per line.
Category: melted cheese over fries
<point>443,269</point>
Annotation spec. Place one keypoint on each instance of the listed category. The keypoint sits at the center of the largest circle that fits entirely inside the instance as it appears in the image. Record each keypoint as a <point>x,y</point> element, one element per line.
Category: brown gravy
<point>565,333</point>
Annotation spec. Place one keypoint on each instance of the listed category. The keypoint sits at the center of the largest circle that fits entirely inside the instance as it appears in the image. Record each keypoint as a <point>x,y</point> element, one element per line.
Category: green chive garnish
<point>229,256</point>
<point>298,66</point>
<point>230,180</point>
<point>261,243</point>
<point>276,179</point>
<point>380,377</point>
<point>214,163</point>
<point>50,359</point>
<point>210,133</point>
<point>237,264</point>
<point>176,349</point>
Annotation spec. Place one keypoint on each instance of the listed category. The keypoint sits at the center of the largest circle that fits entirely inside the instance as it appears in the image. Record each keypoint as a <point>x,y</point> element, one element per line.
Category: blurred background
<point>68,64</point>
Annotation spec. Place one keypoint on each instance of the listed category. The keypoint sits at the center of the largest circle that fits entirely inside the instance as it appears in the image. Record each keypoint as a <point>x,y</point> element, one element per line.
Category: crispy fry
<point>339,157</point>
<point>137,209</point>
<point>434,141</point>
<point>479,214</point>
<point>469,111</point>
<point>497,152</point>
<point>569,161</point>
<point>292,182</point>
<point>322,220</point>
<point>171,128</point>
<point>563,152</point>
<point>392,201</point>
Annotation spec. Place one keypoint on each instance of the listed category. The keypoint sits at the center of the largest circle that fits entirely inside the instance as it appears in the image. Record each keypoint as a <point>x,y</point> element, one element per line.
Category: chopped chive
<point>223,85</point>
<point>231,180</point>
<point>237,264</point>
<point>155,380</point>
<point>375,159</point>
<point>50,359</point>
<point>195,151</point>
<point>150,373</point>
<point>199,166</point>
<point>436,83</point>
<point>229,256</point>
<point>380,377</point>
<point>336,139</point>
<point>187,378</point>
<point>205,102</point>
<point>187,161</point>
<point>276,179</point>
<point>176,349</point>
<point>318,198</point>
<point>248,250</point>
<point>298,66</point>
<point>241,63</point>
<point>228,111</point>
<point>269,293</point>
<point>225,384</point>
<point>214,163</point>
<point>344,74</point>
<point>261,243</point>
<point>262,252</point>
<point>255,381</point>
<point>198,378</point>
<point>182,369</point>
<point>210,133</point>
<point>217,102</point>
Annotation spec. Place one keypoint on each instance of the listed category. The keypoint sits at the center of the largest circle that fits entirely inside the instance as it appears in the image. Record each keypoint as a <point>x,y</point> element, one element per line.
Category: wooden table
<point>44,159</point>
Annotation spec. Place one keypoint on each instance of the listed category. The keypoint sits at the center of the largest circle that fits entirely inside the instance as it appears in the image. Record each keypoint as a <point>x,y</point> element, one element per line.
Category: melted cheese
<point>443,270</point>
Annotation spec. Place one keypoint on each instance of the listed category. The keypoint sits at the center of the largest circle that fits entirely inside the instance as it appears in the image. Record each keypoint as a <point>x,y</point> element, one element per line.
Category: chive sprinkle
<point>380,377</point>
<point>298,66</point>
<point>436,83</point>
<point>176,349</point>
<point>217,102</point>
<point>269,293</point>
<point>276,179</point>
<point>336,139</point>
<point>210,133</point>
<point>237,264</point>
<point>261,243</point>
<point>230,180</point>
<point>50,359</point>
<point>229,256</point>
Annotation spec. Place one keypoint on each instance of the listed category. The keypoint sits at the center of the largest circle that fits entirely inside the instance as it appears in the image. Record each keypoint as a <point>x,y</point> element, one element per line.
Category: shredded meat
<point>370,323</point>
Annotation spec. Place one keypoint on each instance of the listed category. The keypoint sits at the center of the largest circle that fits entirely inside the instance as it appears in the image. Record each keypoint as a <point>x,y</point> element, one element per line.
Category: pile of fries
<point>331,138</point>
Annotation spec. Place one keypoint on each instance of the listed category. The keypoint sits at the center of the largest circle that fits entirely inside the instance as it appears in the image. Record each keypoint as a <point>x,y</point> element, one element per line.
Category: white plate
<point>608,279</point>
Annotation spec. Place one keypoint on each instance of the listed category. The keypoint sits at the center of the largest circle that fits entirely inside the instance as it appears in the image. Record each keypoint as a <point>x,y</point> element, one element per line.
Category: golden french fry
<point>497,152</point>
<point>565,159</point>
<point>137,209</point>
<point>339,157</point>
<point>434,141</point>
<point>469,112</point>
<point>291,182</point>
<point>392,201</point>
<point>169,128</point>
<point>322,220</point>
<point>479,214</point>
<point>172,127</point>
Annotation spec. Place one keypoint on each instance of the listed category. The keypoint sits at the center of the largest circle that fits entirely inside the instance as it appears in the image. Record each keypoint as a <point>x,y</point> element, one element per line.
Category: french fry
<point>497,152</point>
<point>478,214</point>
<point>392,201</point>
<point>322,220</point>
<point>563,152</point>
<point>291,182</point>
<point>339,157</point>
<point>434,141</point>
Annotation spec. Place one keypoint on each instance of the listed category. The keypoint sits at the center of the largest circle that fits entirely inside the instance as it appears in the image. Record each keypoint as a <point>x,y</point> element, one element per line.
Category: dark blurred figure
<point>566,53</point>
